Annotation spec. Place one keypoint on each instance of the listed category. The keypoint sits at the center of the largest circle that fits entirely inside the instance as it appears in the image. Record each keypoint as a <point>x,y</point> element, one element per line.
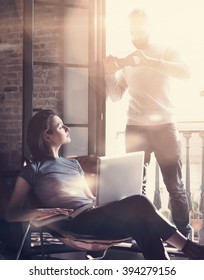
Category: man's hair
<point>39,124</point>
<point>137,13</point>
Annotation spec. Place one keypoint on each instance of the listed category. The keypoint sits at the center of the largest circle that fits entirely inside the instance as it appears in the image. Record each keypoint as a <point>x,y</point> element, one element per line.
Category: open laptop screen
<point>119,177</point>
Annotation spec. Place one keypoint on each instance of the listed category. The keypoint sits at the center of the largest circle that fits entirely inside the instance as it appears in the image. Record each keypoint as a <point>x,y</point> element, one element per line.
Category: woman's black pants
<point>134,217</point>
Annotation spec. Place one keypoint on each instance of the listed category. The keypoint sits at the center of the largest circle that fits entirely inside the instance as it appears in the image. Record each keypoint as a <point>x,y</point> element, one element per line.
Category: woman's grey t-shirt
<point>57,182</point>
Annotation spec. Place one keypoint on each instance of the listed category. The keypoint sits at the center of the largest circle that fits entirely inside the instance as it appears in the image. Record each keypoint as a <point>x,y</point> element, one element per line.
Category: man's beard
<point>140,44</point>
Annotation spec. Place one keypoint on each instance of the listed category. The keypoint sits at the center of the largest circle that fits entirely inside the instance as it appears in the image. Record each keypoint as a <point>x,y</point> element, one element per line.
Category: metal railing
<point>189,158</point>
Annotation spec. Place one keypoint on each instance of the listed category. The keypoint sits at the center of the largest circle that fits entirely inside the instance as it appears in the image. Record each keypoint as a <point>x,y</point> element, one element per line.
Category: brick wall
<point>11,31</point>
<point>48,79</point>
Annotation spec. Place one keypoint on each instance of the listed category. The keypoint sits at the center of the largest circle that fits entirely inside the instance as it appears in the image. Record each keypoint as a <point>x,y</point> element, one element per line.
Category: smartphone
<point>126,61</point>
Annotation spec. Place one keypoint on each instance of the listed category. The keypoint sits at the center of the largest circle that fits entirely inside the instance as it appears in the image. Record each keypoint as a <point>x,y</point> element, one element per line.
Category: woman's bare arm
<point>15,211</point>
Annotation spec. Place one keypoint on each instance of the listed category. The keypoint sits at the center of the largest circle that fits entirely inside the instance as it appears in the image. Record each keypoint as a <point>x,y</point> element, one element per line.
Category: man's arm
<point>115,82</point>
<point>176,69</point>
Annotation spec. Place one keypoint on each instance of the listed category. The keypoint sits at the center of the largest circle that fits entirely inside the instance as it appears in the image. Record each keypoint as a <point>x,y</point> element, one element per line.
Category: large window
<point>177,23</point>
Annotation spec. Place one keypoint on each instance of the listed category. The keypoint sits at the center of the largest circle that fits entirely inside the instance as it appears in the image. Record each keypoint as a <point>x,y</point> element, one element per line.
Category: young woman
<point>59,183</point>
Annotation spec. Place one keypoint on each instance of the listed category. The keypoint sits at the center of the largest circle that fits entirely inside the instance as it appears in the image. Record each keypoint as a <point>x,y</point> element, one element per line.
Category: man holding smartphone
<point>151,126</point>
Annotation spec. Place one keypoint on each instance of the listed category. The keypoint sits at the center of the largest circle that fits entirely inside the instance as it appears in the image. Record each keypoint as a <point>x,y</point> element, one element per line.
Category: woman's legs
<point>134,217</point>
<point>178,240</point>
<point>190,249</point>
<point>153,249</point>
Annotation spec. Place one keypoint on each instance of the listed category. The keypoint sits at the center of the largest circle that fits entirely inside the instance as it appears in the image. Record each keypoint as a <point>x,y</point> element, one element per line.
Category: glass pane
<point>47,89</point>
<point>76,95</point>
<point>47,35</point>
<point>76,36</point>
<point>79,143</point>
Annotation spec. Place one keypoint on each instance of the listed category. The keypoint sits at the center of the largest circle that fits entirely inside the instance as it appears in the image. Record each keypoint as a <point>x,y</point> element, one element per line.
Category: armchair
<point>39,241</point>
<point>36,240</point>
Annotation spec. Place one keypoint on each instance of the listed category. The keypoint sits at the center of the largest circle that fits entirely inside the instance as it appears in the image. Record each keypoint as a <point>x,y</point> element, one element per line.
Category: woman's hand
<point>42,213</point>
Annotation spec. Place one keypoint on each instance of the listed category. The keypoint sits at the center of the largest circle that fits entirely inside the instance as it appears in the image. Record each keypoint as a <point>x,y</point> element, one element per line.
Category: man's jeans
<point>163,141</point>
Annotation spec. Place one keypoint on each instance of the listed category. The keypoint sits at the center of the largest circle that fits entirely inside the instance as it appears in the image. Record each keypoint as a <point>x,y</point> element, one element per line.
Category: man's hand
<point>140,58</point>
<point>110,65</point>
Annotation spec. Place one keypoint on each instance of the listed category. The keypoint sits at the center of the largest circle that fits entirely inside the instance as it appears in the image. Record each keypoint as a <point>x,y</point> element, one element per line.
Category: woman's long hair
<point>39,124</point>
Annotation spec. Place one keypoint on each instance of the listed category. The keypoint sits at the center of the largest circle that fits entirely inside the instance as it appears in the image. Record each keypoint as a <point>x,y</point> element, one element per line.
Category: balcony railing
<point>192,141</point>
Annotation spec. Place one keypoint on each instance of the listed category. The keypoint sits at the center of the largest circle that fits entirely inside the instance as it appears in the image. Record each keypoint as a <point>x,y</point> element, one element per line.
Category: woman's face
<point>60,133</point>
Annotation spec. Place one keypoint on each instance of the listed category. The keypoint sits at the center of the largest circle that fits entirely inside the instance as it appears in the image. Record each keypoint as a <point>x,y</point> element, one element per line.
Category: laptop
<point>119,177</point>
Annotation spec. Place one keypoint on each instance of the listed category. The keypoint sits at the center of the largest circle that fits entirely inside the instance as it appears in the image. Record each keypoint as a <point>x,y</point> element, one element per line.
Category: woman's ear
<point>46,137</point>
